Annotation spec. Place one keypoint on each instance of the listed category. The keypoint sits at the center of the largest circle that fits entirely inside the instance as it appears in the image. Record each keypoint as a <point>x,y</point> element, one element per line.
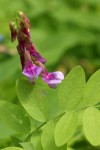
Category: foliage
<point>61,127</point>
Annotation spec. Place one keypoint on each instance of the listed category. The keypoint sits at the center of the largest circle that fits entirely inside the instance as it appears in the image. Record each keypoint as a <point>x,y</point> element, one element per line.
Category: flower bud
<point>13,30</point>
<point>25,19</point>
<point>24,29</point>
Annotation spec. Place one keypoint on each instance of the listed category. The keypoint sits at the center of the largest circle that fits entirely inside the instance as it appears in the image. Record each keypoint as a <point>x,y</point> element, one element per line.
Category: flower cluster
<point>32,62</point>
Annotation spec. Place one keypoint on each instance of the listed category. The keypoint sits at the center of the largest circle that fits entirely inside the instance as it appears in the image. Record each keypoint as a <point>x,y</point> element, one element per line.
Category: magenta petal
<point>54,78</point>
<point>59,75</point>
<point>31,71</point>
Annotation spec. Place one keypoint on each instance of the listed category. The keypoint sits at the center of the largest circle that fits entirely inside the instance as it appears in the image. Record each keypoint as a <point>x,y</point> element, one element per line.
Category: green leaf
<point>36,141</point>
<point>92,90</point>
<point>47,137</point>
<point>65,128</point>
<point>27,146</point>
<point>52,98</point>
<point>14,117</point>
<point>8,93</point>
<point>12,148</point>
<point>33,100</point>
<point>5,131</point>
<point>91,125</point>
<point>71,89</point>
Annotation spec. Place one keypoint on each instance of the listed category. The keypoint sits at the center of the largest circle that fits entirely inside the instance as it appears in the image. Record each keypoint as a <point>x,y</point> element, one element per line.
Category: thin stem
<point>97,106</point>
<point>29,136</point>
<point>81,108</point>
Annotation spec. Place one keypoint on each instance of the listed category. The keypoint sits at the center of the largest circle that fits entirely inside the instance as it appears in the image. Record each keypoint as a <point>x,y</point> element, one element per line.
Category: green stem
<point>97,106</point>
<point>29,136</point>
<point>33,132</point>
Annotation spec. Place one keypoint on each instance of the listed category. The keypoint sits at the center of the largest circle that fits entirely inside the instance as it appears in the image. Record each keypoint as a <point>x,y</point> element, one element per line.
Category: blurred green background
<point>65,32</point>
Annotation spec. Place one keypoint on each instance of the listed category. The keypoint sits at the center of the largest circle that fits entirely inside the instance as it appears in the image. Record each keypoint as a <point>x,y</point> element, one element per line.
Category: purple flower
<point>31,60</point>
<point>54,78</point>
<point>30,70</point>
